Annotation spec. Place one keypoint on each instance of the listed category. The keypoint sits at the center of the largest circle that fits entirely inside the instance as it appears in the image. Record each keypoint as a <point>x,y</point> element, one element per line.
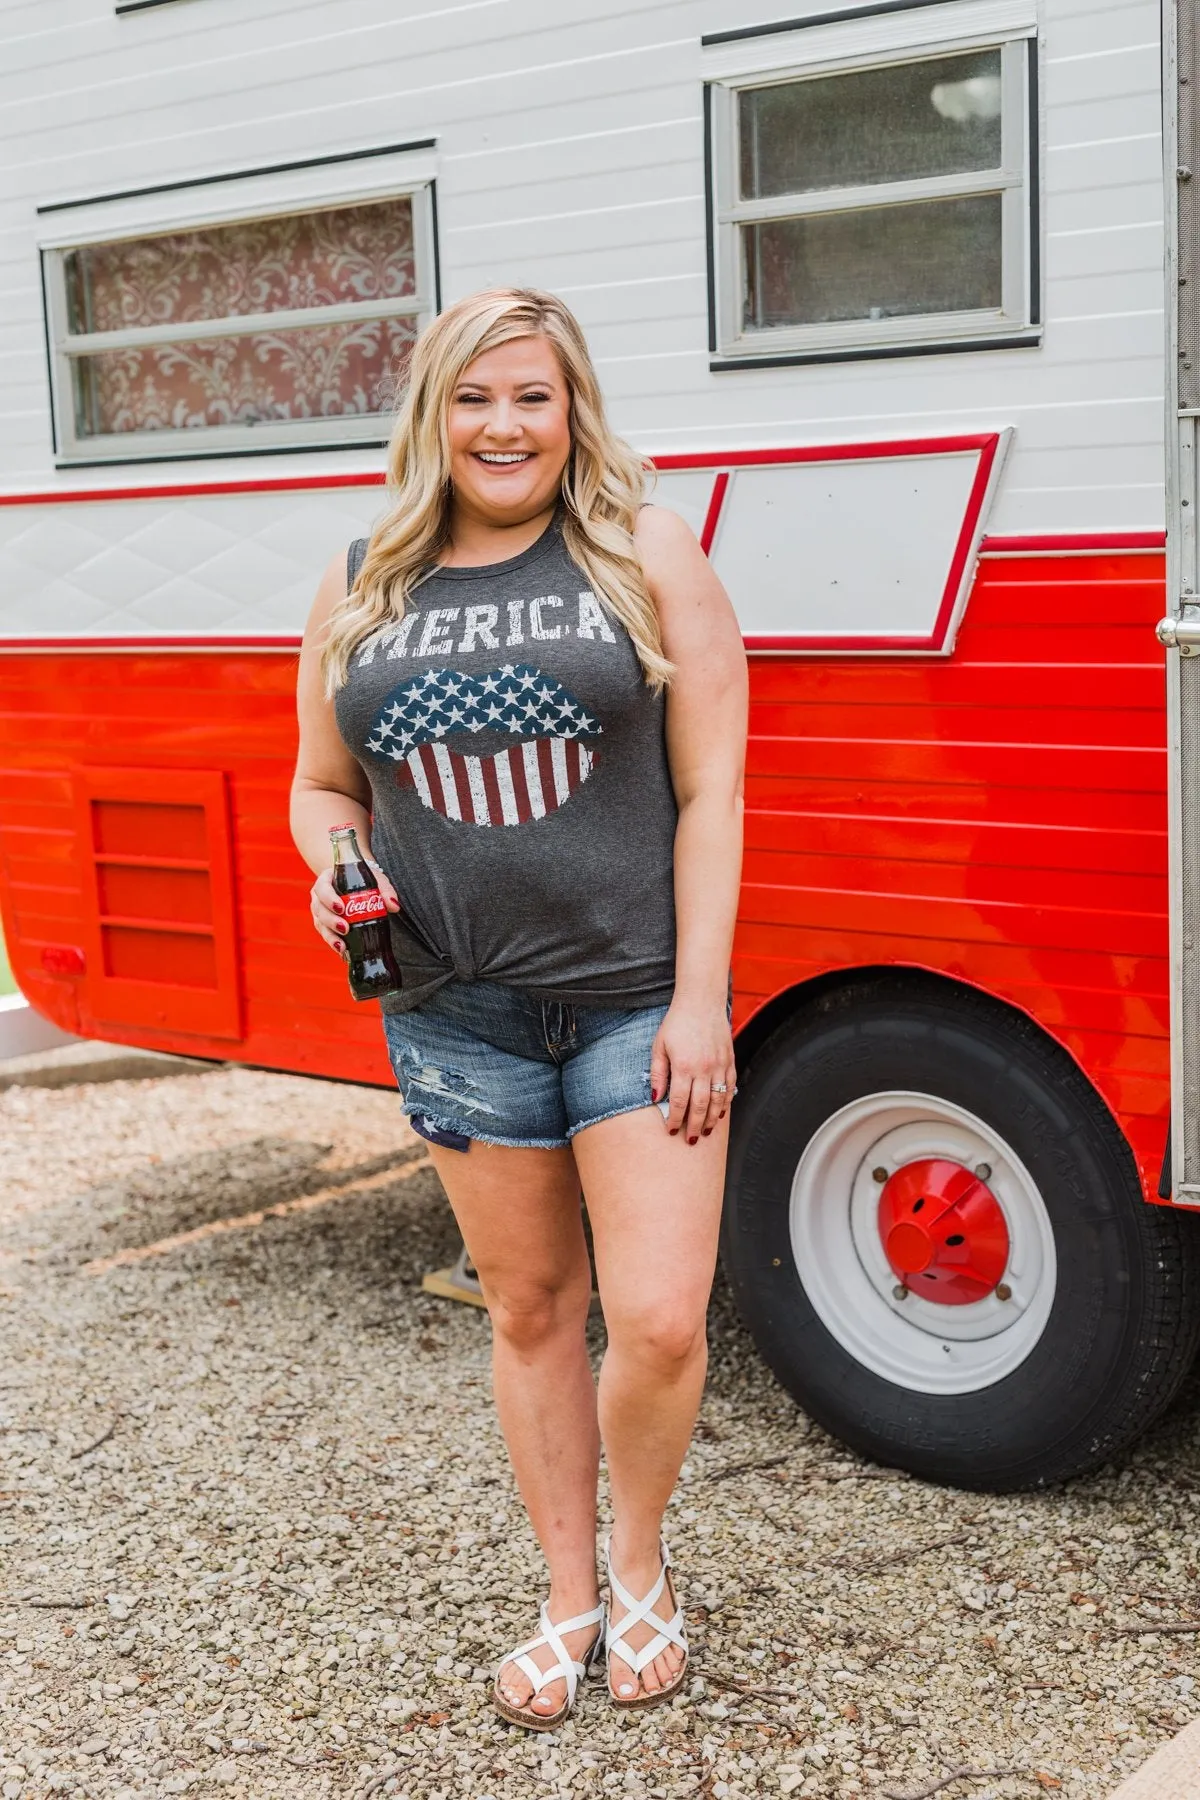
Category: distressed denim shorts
<point>500,1066</point>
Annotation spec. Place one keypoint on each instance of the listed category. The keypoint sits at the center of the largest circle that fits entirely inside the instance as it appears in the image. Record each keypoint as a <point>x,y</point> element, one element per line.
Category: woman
<point>533,697</point>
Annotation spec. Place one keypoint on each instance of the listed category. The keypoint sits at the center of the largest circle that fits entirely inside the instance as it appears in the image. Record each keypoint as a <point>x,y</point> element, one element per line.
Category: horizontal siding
<point>235,714</point>
<point>570,155</point>
<point>998,816</point>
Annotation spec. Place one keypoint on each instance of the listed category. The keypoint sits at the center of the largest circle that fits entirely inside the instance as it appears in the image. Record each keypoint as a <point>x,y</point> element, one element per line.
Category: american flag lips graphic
<point>526,780</point>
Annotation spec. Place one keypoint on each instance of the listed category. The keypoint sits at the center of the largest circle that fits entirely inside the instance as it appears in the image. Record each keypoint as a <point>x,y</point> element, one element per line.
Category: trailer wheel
<point>934,1231</point>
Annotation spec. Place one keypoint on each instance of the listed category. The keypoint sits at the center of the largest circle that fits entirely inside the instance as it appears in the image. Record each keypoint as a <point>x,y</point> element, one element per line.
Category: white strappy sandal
<point>639,1612</point>
<point>565,1668</point>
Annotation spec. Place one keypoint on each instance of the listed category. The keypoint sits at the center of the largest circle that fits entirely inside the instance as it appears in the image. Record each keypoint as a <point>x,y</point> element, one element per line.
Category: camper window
<point>261,333</point>
<point>873,206</point>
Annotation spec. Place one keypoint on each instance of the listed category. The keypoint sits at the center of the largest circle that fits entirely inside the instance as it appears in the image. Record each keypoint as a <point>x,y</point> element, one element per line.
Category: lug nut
<point>899,1293</point>
<point>879,1174</point>
<point>1003,1291</point>
<point>983,1171</point>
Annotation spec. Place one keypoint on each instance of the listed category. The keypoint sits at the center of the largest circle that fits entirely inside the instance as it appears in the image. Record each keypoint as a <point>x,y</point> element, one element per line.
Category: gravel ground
<point>257,1530</point>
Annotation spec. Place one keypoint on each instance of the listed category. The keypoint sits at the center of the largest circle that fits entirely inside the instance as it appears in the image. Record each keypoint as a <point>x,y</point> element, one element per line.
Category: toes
<point>667,1666</point>
<point>514,1686</point>
<point>623,1680</point>
<point>550,1698</point>
<point>650,1677</point>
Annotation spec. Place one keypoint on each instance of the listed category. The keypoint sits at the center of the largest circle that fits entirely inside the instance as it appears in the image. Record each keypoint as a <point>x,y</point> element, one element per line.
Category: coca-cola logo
<point>361,908</point>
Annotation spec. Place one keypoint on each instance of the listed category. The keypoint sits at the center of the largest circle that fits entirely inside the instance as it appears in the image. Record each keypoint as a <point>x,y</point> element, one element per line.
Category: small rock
<point>224,1773</point>
<point>93,1746</point>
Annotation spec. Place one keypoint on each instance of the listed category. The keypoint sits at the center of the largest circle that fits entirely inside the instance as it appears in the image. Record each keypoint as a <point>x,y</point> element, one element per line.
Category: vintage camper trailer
<point>880,289</point>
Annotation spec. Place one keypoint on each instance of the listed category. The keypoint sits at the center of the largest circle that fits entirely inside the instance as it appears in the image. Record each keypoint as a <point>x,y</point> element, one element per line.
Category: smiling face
<point>509,428</point>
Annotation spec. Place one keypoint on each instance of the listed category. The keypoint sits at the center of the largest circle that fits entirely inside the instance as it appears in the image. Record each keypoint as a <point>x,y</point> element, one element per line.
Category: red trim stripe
<point>1090,543</point>
<point>178,490</point>
<point>163,641</point>
<point>967,539</point>
<point>364,478</point>
<point>713,516</point>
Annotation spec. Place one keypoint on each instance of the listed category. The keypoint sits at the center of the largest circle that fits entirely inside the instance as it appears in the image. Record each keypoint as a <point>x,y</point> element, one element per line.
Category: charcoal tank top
<point>521,797</point>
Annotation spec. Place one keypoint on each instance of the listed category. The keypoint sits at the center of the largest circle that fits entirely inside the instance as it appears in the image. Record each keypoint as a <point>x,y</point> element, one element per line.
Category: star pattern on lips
<point>518,698</point>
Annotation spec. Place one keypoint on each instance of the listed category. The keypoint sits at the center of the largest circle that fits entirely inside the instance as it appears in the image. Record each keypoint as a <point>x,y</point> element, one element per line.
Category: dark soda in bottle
<point>372,967</point>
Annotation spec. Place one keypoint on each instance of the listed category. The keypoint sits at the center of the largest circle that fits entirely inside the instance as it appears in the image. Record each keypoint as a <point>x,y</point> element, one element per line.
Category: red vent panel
<point>158,872</point>
<point>167,830</point>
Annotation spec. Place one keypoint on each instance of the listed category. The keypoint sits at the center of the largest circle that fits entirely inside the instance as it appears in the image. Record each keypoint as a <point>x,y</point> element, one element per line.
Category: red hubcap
<point>943,1232</point>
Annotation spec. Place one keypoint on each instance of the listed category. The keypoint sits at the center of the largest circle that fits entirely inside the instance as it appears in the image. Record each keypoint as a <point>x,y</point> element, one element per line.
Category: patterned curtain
<point>303,262</point>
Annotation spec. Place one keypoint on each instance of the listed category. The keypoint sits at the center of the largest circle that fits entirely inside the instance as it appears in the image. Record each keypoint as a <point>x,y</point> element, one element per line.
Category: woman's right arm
<point>329,787</point>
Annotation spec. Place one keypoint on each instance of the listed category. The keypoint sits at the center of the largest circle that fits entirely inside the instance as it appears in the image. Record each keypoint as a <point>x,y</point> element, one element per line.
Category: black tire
<point>1123,1326</point>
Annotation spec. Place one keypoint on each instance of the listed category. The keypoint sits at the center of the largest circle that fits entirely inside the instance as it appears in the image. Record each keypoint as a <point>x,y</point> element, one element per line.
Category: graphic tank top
<point>521,797</point>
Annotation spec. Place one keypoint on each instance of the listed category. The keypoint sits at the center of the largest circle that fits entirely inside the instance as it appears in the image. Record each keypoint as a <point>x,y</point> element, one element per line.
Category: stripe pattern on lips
<point>529,779</point>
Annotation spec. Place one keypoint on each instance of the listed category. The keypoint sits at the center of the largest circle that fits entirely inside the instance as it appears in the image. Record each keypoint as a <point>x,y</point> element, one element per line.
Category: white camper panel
<point>566,144</point>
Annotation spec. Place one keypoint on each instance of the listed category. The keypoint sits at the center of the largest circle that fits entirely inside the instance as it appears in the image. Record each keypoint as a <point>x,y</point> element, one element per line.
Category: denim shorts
<point>499,1066</point>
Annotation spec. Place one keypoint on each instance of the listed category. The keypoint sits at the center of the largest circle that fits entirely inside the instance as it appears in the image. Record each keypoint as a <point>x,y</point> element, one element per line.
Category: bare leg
<point>519,1214</point>
<point>655,1206</point>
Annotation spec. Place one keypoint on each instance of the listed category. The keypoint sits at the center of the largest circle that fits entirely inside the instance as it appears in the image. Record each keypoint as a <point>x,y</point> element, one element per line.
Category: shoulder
<point>665,543</point>
<point>657,530</point>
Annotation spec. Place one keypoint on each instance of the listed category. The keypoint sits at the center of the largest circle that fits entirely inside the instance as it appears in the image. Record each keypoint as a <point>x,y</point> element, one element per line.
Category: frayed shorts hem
<point>617,1112</point>
<point>512,1143</point>
<point>460,1128</point>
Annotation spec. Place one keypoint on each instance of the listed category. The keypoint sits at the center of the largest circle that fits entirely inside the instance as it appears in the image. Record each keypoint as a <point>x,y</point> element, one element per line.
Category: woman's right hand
<point>327,907</point>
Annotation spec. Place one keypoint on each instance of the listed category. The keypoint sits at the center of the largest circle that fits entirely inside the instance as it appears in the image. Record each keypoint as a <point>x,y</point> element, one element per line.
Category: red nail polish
<point>674,1132</point>
<point>342,926</point>
<point>707,1132</point>
<point>654,1096</point>
<point>693,1140</point>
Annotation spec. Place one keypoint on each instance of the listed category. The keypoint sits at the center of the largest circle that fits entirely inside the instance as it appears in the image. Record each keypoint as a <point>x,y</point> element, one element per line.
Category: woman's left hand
<point>693,1060</point>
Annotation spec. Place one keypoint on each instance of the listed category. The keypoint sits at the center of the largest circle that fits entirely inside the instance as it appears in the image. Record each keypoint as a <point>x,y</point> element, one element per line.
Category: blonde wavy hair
<point>603,483</point>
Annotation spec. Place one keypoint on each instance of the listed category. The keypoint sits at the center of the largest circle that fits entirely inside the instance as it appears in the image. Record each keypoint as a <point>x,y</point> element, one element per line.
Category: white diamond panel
<point>203,565</point>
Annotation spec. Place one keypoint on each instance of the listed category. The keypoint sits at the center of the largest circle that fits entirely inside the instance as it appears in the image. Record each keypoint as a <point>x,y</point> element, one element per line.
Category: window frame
<point>391,172</point>
<point>871,42</point>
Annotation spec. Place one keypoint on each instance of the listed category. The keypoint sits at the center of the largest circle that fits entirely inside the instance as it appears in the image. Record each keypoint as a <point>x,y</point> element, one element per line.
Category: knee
<point>531,1317</point>
<point>666,1338</point>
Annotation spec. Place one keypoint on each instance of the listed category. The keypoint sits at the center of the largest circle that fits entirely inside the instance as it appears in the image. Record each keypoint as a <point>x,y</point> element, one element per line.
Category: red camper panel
<point>997,815</point>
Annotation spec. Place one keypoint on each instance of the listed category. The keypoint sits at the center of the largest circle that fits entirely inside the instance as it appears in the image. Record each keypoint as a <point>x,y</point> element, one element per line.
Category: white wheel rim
<point>840,1258</point>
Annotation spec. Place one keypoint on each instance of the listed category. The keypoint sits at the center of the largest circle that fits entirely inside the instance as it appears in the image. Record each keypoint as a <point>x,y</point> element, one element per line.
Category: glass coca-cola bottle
<point>372,967</point>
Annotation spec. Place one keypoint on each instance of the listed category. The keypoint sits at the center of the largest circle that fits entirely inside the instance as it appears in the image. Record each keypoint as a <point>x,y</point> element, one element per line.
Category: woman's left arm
<point>706,748</point>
